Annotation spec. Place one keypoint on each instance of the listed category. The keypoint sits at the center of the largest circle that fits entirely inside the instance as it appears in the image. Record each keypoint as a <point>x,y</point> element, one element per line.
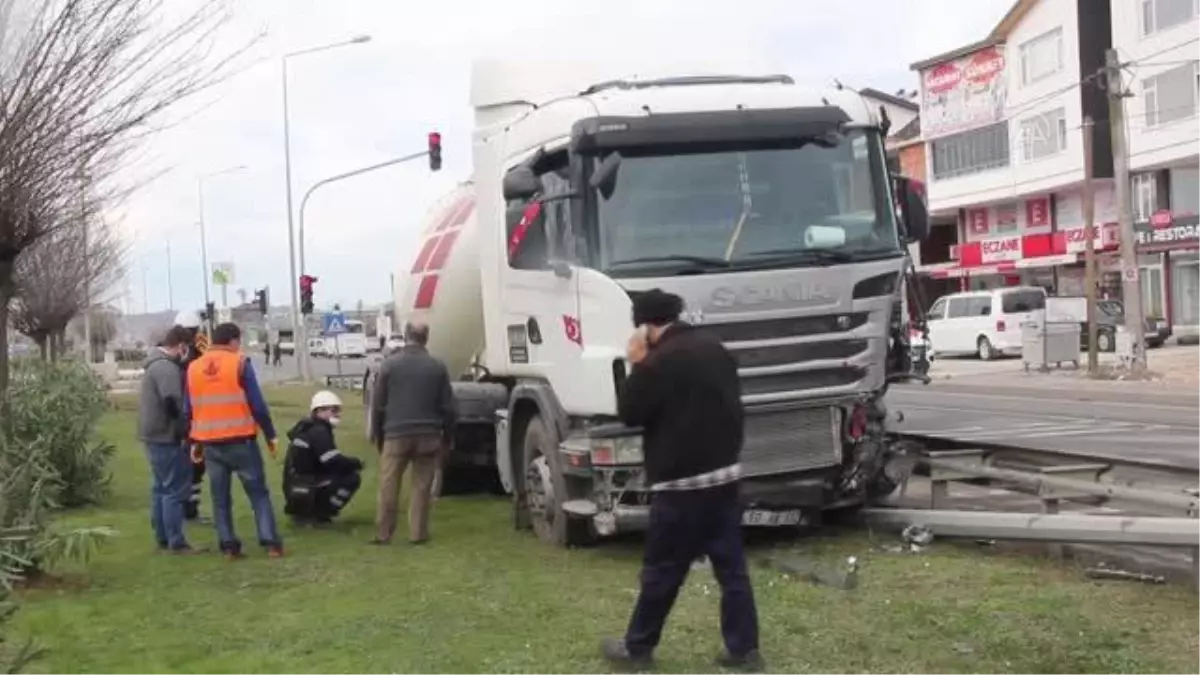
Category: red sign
<point>572,329</point>
<point>1104,236</point>
<point>977,221</point>
<point>943,78</point>
<point>1037,212</point>
<point>1005,249</point>
<point>1162,218</point>
<point>985,65</point>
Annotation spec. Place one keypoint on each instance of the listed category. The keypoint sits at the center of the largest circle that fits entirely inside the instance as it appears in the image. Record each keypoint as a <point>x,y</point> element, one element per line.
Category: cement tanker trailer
<point>768,207</point>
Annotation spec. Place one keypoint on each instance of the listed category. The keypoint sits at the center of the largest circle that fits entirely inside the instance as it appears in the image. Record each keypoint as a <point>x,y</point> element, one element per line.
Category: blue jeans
<point>245,459</point>
<point>170,481</point>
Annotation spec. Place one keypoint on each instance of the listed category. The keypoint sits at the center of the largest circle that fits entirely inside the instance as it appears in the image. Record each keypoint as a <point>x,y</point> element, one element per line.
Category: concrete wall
<point>1024,101</point>
<point>1174,143</point>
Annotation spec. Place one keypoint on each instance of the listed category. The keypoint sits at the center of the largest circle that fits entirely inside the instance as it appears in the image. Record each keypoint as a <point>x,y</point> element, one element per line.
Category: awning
<point>956,271</point>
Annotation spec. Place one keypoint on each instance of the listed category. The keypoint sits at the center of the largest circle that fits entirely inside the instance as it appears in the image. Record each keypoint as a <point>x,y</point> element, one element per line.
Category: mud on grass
<point>483,598</point>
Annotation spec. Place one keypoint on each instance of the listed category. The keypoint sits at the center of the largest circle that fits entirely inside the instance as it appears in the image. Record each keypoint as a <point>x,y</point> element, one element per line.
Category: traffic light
<point>306,293</point>
<point>435,151</point>
<point>264,303</point>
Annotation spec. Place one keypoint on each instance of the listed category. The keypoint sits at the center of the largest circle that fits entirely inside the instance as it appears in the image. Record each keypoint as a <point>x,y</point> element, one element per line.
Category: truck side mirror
<point>911,195</point>
<point>520,184</point>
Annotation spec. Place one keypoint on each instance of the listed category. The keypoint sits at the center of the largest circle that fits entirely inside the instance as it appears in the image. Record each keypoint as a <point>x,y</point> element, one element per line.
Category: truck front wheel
<point>545,490</point>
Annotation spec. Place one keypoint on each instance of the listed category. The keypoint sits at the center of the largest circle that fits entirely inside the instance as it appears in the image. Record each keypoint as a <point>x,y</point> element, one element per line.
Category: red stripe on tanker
<point>438,259</point>
<point>426,292</point>
<point>459,215</point>
<point>423,256</point>
<point>531,214</point>
<point>449,219</point>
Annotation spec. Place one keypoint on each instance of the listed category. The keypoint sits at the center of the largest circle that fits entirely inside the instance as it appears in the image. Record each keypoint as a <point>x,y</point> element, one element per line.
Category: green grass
<point>483,598</point>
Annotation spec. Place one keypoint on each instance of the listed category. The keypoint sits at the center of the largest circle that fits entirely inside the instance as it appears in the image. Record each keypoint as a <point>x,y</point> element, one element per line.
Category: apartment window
<point>1171,95</point>
<point>1044,135</point>
<point>1041,56</point>
<point>1160,15</point>
<point>1145,194</point>
<point>971,151</point>
<point>1185,191</point>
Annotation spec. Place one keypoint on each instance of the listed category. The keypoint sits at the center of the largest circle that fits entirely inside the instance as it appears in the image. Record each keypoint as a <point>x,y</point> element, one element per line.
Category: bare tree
<point>81,83</point>
<point>54,276</point>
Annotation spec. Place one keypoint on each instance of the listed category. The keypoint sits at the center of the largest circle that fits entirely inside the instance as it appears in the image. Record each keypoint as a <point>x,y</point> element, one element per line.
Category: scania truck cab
<point>766,206</point>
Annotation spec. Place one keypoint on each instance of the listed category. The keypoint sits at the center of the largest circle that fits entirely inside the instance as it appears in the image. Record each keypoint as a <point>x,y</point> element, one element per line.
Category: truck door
<point>539,289</point>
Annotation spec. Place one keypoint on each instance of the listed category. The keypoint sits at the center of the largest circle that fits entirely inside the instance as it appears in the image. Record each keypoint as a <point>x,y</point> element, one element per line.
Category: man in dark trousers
<point>197,342</point>
<point>413,416</point>
<point>684,391</point>
<point>318,480</point>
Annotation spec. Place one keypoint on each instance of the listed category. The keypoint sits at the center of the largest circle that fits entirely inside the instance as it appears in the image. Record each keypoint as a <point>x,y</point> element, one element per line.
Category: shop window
<point>1160,15</point>
<point>1006,217</point>
<point>1041,56</point>
<point>1185,289</point>
<point>971,151</point>
<point>1185,191</point>
<point>1171,95</point>
<point>1044,135</point>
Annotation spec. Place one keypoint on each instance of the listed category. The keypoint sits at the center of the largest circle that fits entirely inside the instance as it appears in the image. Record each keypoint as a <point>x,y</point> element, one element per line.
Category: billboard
<point>963,93</point>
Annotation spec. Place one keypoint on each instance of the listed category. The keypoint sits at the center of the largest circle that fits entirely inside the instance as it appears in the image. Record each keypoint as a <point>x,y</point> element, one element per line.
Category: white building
<point>1159,38</point>
<point>1002,124</point>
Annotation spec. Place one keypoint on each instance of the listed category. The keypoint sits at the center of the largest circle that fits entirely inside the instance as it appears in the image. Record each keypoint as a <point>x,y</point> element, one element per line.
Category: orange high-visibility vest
<point>220,410</point>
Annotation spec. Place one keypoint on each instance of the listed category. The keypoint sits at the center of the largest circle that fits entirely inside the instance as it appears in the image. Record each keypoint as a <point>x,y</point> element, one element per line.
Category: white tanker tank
<point>441,285</point>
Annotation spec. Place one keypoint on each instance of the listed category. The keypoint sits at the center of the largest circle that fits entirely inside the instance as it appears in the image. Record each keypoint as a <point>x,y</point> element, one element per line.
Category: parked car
<point>985,323</point>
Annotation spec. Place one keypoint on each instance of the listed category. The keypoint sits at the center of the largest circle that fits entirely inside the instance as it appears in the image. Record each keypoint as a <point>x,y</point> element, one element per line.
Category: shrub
<point>54,411</point>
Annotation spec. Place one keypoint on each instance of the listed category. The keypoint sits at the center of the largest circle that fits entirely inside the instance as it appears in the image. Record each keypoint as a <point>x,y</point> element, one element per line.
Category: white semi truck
<point>767,206</point>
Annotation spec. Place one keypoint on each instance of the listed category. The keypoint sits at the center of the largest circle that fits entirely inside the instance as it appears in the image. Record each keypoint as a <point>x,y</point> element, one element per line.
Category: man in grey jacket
<point>162,427</point>
<point>413,416</point>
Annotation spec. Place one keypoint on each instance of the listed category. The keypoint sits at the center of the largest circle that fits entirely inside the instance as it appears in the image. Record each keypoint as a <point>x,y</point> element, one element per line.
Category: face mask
<point>334,421</point>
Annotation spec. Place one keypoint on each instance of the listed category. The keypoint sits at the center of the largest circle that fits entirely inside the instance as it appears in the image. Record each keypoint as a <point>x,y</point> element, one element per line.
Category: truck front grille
<point>796,326</point>
<point>758,357</point>
<point>786,441</point>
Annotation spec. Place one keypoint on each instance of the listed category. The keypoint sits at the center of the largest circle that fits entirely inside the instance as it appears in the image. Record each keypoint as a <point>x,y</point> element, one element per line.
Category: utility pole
<point>1135,321</point>
<point>1089,234</point>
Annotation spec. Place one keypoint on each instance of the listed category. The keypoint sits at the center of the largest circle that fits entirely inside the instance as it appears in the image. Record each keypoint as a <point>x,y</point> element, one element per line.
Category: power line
<point>1160,52</point>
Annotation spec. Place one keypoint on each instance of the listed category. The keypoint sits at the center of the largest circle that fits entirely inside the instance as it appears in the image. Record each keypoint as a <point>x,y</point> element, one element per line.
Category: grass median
<point>481,597</point>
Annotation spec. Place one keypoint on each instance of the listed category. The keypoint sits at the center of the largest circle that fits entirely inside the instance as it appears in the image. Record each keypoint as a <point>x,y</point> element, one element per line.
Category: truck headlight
<point>604,448</point>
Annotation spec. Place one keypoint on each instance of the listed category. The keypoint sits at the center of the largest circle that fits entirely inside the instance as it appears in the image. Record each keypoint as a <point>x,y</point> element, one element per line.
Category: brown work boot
<point>275,552</point>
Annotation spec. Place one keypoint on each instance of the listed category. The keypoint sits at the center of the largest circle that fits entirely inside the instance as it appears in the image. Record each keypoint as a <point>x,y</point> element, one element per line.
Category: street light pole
<point>299,329</point>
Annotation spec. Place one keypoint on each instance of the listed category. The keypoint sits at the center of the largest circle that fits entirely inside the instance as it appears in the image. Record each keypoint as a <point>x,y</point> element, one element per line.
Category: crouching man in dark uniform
<point>684,391</point>
<point>318,480</point>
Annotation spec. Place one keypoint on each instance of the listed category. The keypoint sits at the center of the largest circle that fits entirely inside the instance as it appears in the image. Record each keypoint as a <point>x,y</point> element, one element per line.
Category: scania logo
<point>730,297</point>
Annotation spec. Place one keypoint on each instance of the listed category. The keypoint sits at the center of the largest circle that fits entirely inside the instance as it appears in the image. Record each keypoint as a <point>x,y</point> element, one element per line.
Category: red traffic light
<point>435,151</point>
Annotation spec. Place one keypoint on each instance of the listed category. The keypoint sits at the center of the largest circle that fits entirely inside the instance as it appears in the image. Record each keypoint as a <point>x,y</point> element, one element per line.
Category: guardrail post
<point>940,476</point>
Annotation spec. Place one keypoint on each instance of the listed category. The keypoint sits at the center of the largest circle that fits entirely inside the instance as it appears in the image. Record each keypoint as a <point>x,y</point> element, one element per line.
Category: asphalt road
<point>1152,429</point>
<point>286,370</point>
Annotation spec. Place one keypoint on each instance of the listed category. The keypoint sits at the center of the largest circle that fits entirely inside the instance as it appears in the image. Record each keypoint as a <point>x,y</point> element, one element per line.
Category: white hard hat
<point>325,399</point>
<point>188,318</point>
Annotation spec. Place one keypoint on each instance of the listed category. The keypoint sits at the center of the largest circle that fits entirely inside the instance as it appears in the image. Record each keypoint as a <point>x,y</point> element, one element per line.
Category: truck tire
<point>544,490</point>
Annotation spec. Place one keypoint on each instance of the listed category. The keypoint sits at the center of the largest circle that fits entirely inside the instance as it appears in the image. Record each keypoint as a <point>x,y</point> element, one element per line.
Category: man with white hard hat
<point>190,320</point>
<point>318,480</point>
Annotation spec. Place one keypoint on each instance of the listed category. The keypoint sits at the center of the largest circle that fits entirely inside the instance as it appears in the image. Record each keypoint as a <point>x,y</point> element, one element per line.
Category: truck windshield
<point>804,204</point>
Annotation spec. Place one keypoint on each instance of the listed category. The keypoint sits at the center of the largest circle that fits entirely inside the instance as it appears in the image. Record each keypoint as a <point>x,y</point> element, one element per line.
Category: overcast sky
<point>367,103</point>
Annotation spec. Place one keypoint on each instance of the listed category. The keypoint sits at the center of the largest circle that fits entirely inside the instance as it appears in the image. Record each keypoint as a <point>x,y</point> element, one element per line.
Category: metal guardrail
<point>1054,477</point>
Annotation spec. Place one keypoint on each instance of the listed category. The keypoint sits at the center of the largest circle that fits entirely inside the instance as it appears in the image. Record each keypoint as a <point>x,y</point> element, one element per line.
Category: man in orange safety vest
<point>225,409</point>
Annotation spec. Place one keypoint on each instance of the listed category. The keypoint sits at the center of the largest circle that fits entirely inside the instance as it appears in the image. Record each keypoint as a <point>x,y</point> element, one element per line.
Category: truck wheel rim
<point>541,490</point>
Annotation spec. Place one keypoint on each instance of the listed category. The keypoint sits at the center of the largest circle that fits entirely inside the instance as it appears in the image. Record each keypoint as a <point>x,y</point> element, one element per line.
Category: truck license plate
<point>770,518</point>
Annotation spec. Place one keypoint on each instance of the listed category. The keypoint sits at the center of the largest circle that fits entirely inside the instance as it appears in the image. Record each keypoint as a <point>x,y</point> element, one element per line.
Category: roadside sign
<point>333,323</point>
<point>222,274</point>
<point>1129,274</point>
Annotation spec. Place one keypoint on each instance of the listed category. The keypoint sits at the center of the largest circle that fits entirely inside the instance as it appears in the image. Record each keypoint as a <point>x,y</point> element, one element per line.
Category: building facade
<point>1002,121</point>
<point>1159,38</point>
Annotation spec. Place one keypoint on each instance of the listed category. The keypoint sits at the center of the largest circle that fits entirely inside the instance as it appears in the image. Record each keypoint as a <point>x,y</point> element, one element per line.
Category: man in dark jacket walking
<point>413,415</point>
<point>162,427</point>
<point>318,480</point>
<point>684,391</point>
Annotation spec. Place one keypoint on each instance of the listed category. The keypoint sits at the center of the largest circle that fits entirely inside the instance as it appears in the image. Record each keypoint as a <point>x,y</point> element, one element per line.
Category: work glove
<point>197,453</point>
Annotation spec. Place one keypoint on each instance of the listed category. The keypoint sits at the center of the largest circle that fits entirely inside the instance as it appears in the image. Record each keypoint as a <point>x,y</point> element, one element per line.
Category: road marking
<point>1078,432</point>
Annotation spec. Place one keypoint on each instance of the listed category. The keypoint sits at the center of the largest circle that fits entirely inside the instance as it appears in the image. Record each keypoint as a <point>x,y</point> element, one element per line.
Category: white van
<point>986,323</point>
